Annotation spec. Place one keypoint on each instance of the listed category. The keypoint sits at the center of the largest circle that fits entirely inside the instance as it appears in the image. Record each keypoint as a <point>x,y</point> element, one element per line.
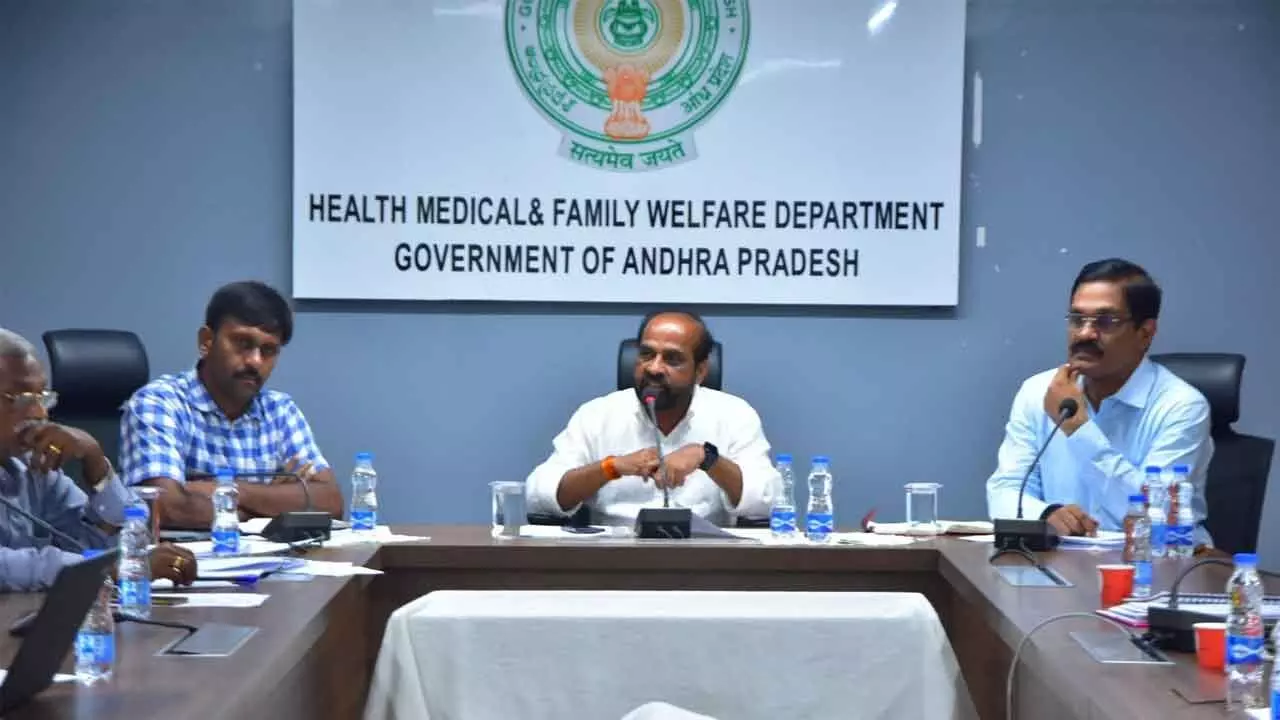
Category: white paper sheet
<point>244,569</point>
<point>325,568</point>
<point>57,677</point>
<point>220,600</point>
<point>165,584</point>
<point>556,532</point>
<point>248,546</point>
<point>1105,538</point>
<point>380,534</point>
<point>945,527</point>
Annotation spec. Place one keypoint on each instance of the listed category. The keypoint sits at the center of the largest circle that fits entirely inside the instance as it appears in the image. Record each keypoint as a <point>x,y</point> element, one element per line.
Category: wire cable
<point>1013,665</point>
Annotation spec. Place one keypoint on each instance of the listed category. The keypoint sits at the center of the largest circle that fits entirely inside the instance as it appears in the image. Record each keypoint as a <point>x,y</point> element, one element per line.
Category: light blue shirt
<point>29,557</point>
<point>1155,419</point>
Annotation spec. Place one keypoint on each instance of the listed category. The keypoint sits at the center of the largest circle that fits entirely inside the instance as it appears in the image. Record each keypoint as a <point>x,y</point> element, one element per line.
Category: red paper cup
<point>1117,583</point>
<point>1211,644</point>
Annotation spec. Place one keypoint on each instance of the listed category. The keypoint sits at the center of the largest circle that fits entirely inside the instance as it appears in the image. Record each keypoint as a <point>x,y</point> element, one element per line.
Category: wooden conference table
<point>314,653</point>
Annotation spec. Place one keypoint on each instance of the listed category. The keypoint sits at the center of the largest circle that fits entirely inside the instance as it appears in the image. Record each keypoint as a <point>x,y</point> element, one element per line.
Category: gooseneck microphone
<point>1066,410</point>
<point>1023,536</point>
<point>53,531</point>
<point>650,397</point>
<point>665,522</point>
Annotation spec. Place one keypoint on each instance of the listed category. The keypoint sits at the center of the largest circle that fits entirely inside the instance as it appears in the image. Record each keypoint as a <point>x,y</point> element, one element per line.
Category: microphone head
<point>650,395</point>
<point>1067,408</point>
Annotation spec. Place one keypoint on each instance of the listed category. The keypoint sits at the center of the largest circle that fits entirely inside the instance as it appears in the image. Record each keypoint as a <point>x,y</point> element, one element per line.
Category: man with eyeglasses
<point>88,510</point>
<point>179,430</point>
<point>1132,413</point>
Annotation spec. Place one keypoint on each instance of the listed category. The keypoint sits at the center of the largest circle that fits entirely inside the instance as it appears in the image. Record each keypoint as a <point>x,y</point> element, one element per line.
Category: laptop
<point>50,636</point>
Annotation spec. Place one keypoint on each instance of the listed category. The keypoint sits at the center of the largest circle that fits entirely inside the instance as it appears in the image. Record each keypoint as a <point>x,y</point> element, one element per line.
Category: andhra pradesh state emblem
<point>627,82</point>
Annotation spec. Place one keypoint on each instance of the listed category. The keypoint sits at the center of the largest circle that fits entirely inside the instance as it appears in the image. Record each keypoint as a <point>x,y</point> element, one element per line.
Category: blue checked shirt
<point>172,428</point>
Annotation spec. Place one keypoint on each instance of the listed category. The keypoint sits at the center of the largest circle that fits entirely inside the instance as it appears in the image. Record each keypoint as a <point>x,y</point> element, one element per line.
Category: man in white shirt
<point>716,458</point>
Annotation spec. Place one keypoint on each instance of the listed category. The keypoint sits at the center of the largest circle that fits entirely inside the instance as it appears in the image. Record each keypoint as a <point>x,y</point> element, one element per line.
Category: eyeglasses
<point>1104,323</point>
<point>24,401</point>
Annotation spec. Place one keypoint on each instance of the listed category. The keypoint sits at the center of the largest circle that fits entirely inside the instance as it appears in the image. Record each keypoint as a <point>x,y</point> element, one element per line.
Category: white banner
<point>659,151</point>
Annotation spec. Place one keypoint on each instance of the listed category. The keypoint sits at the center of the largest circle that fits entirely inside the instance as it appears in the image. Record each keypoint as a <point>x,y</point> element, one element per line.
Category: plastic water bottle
<point>1150,478</point>
<point>133,577</point>
<point>1157,511</point>
<point>1137,545</point>
<point>819,519</point>
<point>364,497</point>
<point>96,640</point>
<point>226,515</point>
<point>1275,676</point>
<point>782,517</point>
<point>1245,636</point>
<point>1182,531</point>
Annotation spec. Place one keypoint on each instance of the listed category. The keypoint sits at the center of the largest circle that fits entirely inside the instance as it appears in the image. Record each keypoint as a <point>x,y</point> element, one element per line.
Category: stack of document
<point>244,569</point>
<point>1105,540</point>
<point>1133,611</point>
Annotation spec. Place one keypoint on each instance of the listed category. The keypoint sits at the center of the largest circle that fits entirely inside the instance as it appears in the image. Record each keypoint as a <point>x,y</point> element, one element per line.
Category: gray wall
<point>145,158</point>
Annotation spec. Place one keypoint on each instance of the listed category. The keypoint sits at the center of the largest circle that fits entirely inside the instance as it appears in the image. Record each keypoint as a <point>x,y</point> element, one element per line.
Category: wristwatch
<point>106,478</point>
<point>710,455</point>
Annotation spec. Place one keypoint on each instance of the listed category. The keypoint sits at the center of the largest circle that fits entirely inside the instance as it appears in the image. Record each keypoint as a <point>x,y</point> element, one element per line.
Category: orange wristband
<point>610,470</point>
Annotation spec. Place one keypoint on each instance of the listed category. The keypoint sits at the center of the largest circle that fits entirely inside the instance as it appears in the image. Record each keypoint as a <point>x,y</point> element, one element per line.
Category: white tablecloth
<point>599,655</point>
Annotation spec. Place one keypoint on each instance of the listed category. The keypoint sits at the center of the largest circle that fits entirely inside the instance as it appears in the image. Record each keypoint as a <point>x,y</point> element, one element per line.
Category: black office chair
<point>1236,482</point>
<point>94,372</point>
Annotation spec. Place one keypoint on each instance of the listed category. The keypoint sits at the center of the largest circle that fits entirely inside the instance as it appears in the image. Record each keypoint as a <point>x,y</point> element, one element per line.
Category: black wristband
<point>710,455</point>
<point>1049,511</point>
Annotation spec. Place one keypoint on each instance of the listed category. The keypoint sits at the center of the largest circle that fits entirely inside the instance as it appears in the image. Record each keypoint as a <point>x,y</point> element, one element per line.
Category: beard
<point>664,396</point>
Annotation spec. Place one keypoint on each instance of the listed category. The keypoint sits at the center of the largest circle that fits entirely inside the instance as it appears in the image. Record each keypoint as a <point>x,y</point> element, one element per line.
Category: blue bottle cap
<point>784,457</point>
<point>1247,559</point>
<point>1182,469</point>
<point>1137,498</point>
<point>364,457</point>
<point>1153,469</point>
<point>225,474</point>
<point>135,512</point>
<point>821,460</point>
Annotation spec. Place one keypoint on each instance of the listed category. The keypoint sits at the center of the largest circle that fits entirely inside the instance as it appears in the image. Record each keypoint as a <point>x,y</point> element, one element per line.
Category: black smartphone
<point>582,530</point>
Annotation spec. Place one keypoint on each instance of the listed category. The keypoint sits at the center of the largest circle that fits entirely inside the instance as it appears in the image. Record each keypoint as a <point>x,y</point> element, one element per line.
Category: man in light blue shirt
<point>86,512</point>
<point>1132,413</point>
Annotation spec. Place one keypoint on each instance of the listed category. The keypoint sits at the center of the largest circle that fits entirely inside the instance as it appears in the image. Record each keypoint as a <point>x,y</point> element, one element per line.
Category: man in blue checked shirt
<point>179,429</point>
<point>85,511</point>
<point>1132,413</point>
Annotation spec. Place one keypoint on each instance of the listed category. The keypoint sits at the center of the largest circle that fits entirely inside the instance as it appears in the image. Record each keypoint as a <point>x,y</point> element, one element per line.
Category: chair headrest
<point>94,371</point>
<point>628,349</point>
<point>1216,375</point>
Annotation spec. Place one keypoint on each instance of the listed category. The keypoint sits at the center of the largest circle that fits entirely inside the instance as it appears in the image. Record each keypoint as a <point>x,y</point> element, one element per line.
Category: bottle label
<point>135,593</point>
<point>226,541</point>
<point>1180,536</point>
<point>95,648</point>
<point>363,519</point>
<point>783,521</point>
<point>1142,573</point>
<point>1159,535</point>
<point>1244,650</point>
<point>819,525</point>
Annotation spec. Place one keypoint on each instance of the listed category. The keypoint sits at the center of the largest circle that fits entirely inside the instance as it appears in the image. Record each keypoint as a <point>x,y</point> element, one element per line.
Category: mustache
<point>248,374</point>
<point>654,380</point>
<point>1086,346</point>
